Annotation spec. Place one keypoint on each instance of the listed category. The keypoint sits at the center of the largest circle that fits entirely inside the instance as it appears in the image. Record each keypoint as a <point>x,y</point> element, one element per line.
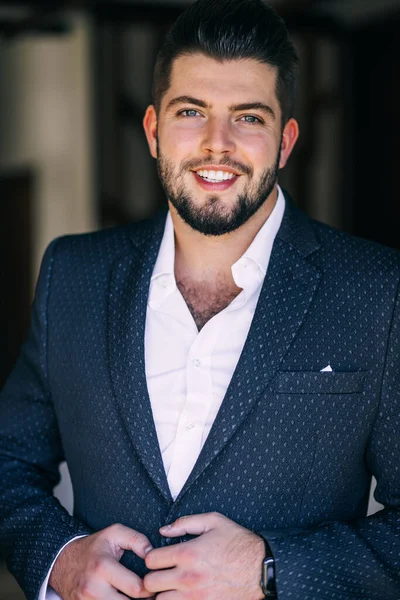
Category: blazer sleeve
<point>33,524</point>
<point>358,559</point>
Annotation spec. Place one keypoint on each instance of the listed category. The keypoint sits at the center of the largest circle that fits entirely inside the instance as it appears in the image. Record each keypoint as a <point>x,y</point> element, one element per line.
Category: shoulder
<point>107,245</point>
<point>355,255</point>
<point>338,255</point>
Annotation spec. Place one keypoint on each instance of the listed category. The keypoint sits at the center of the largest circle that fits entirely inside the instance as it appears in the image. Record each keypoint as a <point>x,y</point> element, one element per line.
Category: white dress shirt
<point>187,371</point>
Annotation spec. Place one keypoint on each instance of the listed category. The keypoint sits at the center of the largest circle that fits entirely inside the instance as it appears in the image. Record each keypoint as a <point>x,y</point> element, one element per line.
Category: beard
<point>213,218</point>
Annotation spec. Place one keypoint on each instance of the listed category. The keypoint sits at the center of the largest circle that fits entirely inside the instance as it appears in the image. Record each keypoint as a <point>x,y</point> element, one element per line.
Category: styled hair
<point>231,30</point>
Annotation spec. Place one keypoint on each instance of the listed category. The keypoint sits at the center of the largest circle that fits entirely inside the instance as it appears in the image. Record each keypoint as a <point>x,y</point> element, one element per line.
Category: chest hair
<point>206,300</point>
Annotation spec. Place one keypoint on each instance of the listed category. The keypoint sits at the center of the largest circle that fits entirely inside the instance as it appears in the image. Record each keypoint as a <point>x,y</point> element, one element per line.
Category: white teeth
<point>215,176</point>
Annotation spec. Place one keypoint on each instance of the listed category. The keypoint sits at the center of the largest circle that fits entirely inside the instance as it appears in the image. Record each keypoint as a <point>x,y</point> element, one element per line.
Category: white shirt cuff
<point>46,592</point>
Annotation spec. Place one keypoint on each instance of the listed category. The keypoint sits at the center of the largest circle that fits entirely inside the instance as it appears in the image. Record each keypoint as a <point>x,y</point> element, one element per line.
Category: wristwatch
<point>268,579</point>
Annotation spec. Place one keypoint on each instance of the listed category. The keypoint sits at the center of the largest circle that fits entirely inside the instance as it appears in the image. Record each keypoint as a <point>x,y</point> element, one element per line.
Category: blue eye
<point>189,112</point>
<point>251,119</point>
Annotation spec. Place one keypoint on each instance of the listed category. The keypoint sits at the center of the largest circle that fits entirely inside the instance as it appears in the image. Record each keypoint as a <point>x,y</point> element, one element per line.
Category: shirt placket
<point>199,397</point>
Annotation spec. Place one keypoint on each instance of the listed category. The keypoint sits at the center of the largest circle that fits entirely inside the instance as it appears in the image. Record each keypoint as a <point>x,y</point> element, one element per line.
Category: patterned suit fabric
<point>292,450</point>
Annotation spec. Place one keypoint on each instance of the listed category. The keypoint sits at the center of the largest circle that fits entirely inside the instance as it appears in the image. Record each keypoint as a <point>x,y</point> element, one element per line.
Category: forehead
<point>209,79</point>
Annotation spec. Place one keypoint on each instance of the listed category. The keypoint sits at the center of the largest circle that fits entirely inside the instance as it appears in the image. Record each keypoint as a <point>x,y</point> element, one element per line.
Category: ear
<point>289,138</point>
<point>150,128</point>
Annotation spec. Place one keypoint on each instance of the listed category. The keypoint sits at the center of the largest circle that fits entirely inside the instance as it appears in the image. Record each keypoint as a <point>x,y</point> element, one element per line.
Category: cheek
<point>259,150</point>
<point>181,138</point>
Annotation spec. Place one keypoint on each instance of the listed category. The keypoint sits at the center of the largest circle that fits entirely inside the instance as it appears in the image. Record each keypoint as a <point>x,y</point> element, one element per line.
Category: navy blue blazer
<point>292,450</point>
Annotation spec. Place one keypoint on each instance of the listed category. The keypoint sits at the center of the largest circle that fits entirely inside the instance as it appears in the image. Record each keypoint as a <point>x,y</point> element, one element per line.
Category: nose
<point>218,137</point>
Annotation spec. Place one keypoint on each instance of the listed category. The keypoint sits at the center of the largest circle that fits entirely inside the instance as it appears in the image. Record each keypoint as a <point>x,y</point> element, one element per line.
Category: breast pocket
<point>310,382</point>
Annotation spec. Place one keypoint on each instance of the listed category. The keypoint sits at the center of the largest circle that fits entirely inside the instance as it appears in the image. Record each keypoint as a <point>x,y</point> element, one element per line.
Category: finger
<point>163,558</point>
<point>128,539</point>
<point>192,524</point>
<point>100,590</point>
<point>123,580</point>
<point>114,595</point>
<point>161,581</point>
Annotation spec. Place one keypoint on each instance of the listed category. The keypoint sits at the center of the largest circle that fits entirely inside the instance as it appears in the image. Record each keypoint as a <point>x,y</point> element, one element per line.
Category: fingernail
<point>165,527</point>
<point>148,549</point>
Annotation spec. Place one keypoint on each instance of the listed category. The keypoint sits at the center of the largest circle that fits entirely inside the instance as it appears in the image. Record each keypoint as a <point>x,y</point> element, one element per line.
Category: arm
<point>359,559</point>
<point>33,524</point>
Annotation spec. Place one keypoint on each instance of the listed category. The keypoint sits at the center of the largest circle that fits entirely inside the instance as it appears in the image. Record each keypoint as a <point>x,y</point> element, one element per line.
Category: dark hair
<point>231,30</point>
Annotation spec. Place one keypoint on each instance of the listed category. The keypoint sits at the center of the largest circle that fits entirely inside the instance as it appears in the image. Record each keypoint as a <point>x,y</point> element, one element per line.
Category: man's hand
<point>89,568</point>
<point>224,563</point>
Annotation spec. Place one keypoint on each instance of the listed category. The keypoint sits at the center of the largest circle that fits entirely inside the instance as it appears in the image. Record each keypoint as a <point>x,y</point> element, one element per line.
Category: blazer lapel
<point>285,299</point>
<point>129,286</point>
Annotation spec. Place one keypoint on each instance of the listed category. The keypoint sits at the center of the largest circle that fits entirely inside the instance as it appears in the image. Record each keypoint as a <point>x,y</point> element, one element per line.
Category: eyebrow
<point>186,100</point>
<point>233,108</point>
<point>254,106</point>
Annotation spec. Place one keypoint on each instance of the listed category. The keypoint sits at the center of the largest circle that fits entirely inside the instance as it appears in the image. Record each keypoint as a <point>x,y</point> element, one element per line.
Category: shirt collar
<point>260,249</point>
<point>166,255</point>
<point>248,272</point>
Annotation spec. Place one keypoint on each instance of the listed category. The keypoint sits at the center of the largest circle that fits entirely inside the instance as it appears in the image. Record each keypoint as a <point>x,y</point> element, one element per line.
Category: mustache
<point>226,162</point>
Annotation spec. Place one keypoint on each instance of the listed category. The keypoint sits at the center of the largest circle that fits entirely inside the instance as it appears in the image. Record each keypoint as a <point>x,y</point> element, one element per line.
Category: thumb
<point>191,524</point>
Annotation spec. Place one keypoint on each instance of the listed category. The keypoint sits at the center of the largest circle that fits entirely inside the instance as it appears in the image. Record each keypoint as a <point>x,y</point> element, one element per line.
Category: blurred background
<point>75,80</point>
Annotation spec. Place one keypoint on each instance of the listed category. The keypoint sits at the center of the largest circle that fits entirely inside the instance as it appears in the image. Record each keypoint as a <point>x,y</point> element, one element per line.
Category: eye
<point>188,112</point>
<point>251,119</point>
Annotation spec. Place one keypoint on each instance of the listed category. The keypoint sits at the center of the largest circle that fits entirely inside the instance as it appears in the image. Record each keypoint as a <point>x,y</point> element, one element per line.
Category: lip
<point>215,187</point>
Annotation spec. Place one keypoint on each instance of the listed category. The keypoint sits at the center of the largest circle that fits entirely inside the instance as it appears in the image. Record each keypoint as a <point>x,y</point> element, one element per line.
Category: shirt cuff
<point>46,592</point>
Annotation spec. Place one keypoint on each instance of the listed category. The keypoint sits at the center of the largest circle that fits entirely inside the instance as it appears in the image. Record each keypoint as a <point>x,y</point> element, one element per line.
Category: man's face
<point>218,141</point>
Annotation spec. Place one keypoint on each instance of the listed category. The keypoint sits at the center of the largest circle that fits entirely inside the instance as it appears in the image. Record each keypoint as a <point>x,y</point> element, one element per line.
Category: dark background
<point>344,170</point>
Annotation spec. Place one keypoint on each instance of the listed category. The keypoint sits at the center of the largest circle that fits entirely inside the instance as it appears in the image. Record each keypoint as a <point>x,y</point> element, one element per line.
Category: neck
<point>202,257</point>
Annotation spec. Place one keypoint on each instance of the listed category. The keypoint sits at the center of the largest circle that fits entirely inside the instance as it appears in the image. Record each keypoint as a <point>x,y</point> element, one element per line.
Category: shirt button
<point>190,425</point>
<point>197,362</point>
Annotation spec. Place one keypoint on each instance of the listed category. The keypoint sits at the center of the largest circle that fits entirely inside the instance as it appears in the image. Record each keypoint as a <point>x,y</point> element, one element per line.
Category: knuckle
<point>135,588</point>
<point>85,589</point>
<point>188,578</point>
<point>181,520</point>
<point>137,537</point>
<point>191,578</point>
<point>109,533</point>
<point>148,583</point>
<point>216,515</point>
<point>189,555</point>
<point>97,566</point>
<point>115,528</point>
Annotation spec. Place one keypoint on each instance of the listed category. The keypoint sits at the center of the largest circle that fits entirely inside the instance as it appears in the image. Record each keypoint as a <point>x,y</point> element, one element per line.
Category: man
<point>223,381</point>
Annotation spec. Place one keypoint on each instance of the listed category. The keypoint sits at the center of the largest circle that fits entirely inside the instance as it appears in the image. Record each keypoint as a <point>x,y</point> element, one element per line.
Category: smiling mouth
<point>215,176</point>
